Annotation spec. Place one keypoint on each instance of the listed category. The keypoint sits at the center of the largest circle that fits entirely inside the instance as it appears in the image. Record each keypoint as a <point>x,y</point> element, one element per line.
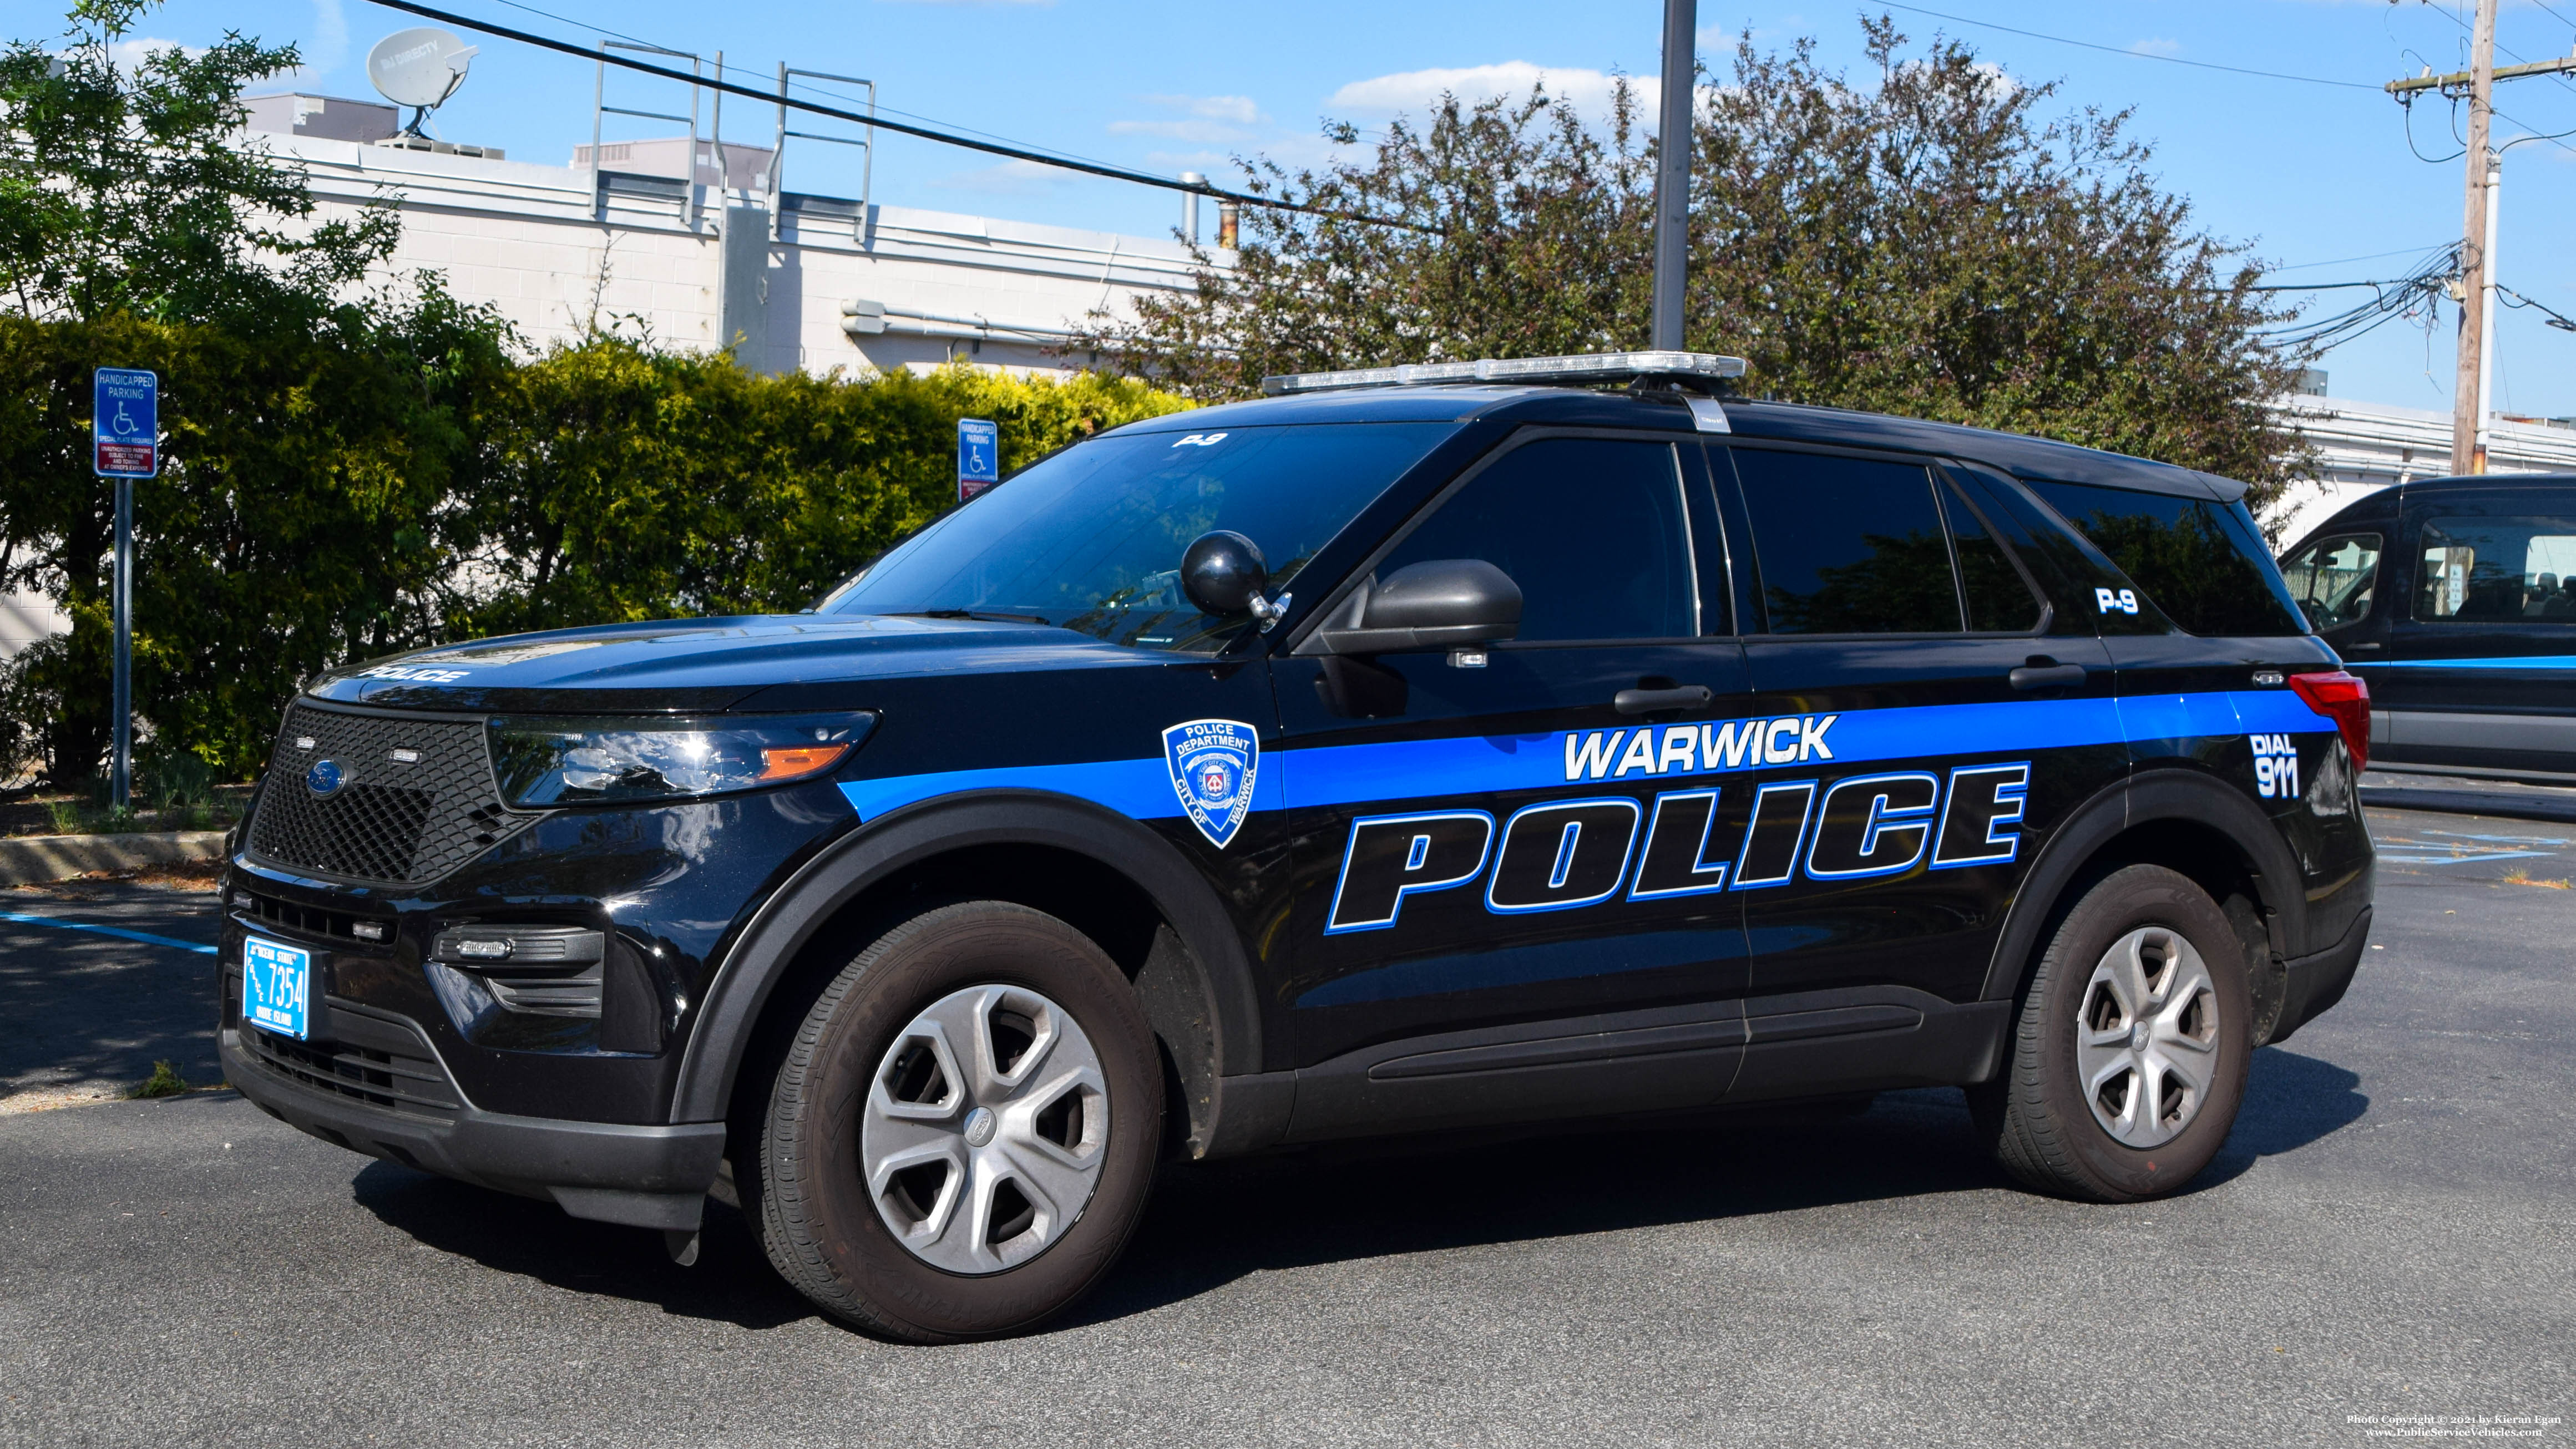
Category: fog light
<point>368,930</point>
<point>481,950</point>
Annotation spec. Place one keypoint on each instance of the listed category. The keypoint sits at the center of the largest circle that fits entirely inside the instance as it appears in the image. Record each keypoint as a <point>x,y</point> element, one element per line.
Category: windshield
<point>1091,538</point>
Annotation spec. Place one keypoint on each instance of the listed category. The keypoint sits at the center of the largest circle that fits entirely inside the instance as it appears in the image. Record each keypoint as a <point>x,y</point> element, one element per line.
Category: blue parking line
<point>117,931</point>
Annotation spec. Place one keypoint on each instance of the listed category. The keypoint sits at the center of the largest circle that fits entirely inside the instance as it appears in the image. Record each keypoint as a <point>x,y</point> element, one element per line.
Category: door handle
<point>2044,675</point>
<point>1655,701</point>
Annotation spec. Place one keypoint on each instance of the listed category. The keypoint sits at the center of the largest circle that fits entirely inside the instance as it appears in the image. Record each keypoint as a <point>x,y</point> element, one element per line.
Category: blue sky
<point>2317,178</point>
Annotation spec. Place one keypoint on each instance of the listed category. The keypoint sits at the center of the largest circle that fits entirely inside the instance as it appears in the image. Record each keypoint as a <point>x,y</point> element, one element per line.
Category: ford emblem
<point>325,778</point>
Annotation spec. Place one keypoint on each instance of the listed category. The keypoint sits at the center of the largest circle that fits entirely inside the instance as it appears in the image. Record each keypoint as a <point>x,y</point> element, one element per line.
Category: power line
<point>2131,54</point>
<point>2557,319</point>
<point>2390,300</point>
<point>904,128</point>
<point>2339,261</point>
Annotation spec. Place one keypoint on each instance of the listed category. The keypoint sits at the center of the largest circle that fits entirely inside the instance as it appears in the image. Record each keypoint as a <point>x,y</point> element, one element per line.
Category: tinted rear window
<point>2202,563</point>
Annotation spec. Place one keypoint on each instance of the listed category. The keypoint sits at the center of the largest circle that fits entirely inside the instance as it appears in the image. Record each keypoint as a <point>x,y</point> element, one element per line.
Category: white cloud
<point>1415,90</point>
<point>330,36</point>
<point>132,53</point>
<point>1204,133</point>
<point>2156,47</point>
<point>1238,109</point>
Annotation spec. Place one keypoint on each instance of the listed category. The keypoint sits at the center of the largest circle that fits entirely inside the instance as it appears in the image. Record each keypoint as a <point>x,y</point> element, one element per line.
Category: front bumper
<point>371,1083</point>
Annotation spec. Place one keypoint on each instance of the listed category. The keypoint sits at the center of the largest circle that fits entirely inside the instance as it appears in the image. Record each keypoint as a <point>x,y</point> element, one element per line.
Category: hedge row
<point>349,497</point>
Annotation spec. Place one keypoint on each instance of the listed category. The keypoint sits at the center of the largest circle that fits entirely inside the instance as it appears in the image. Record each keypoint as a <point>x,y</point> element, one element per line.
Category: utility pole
<point>2476,296</point>
<point>1672,172</point>
<point>2474,369</point>
<point>2468,404</point>
<point>2485,298</point>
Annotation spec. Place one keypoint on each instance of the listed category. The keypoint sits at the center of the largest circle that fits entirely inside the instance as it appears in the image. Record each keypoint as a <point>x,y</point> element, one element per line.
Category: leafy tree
<point>1925,241</point>
<point>127,188</point>
<point>313,427</point>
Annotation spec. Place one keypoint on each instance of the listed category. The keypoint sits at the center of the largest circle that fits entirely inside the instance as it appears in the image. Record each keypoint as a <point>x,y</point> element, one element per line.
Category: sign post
<point>979,456</point>
<point>125,430</point>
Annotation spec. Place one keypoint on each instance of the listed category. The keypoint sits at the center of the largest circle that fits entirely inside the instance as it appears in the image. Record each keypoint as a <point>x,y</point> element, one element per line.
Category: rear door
<point>1923,714</point>
<point>1483,837</point>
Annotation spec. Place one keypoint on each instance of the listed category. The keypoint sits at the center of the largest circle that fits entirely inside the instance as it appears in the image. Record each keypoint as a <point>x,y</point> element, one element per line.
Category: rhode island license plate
<point>277,982</point>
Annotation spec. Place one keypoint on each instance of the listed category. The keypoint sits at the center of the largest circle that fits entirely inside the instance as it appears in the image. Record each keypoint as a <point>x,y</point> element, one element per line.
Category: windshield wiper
<point>987,615</point>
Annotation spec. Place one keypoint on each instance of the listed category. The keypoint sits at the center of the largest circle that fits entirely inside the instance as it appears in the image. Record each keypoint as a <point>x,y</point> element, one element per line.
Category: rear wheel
<point>962,1134</point>
<point>2130,1050</point>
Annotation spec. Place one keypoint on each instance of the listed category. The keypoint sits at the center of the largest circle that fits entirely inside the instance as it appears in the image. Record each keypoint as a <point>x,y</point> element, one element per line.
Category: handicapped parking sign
<point>125,422</point>
<point>979,456</point>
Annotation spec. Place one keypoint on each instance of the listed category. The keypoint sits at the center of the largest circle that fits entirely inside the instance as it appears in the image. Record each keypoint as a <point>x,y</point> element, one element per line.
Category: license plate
<point>277,983</point>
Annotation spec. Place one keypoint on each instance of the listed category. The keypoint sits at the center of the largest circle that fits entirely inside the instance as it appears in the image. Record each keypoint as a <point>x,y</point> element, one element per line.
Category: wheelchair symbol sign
<point>125,422</point>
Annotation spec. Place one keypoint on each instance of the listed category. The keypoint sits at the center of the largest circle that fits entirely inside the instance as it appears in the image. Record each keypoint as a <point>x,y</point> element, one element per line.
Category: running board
<point>1812,1044</point>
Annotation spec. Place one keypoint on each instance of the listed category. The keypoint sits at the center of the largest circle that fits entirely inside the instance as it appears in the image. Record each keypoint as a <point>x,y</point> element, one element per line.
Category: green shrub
<point>399,482</point>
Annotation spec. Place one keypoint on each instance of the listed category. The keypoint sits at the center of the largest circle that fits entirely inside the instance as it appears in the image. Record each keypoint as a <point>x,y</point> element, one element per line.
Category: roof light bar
<point>1582,367</point>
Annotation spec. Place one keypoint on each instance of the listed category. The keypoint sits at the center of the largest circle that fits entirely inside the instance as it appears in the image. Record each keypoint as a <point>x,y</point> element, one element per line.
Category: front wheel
<point>2130,1050</point>
<point>963,1132</point>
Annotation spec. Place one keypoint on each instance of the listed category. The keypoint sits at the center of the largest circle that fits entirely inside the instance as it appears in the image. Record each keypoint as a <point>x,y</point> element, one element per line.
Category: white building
<point>666,237</point>
<point>2363,447</point>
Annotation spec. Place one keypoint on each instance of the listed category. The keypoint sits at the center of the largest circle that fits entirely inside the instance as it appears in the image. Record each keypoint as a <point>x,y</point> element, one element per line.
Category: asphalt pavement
<point>2391,1231</point>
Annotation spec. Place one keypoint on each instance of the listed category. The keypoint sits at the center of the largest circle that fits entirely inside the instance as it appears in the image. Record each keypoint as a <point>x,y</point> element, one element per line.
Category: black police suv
<point>1408,751</point>
<point>2456,599</point>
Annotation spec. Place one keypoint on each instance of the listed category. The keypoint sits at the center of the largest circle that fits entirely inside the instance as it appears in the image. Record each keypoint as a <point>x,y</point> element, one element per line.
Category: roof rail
<point>1705,368</point>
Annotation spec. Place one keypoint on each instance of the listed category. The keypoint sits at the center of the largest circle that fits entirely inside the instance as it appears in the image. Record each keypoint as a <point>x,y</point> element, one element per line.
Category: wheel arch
<point>1103,873</point>
<point>2184,820</point>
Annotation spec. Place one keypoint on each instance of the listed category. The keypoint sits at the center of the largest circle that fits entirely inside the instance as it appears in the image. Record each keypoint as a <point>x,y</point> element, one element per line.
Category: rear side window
<point>2203,563</point>
<point>1998,601</point>
<point>2486,570</point>
<point>2333,578</point>
<point>1857,546</point>
<point>1592,530</point>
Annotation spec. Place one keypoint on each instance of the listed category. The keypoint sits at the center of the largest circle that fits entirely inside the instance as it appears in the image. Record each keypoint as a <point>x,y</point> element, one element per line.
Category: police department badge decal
<point>1212,763</point>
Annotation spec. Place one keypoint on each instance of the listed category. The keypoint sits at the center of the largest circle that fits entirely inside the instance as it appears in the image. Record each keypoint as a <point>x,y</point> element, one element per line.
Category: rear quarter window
<point>2203,563</point>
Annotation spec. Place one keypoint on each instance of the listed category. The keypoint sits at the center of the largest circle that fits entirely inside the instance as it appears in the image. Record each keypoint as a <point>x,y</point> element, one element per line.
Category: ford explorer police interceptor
<point>1409,750</point>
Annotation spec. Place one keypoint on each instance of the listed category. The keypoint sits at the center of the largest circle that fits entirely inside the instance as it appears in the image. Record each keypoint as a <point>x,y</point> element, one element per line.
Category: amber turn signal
<point>798,760</point>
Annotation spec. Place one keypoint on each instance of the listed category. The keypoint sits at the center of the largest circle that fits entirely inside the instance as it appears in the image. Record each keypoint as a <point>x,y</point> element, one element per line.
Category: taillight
<point>2345,699</point>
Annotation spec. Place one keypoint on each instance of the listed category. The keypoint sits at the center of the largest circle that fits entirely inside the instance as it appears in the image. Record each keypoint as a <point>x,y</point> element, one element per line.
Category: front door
<point>1483,837</point>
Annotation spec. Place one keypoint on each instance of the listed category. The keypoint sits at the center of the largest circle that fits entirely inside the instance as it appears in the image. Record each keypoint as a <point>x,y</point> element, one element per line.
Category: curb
<point>33,859</point>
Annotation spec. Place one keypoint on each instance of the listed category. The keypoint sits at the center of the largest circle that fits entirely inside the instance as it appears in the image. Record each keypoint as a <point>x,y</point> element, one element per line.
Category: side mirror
<point>1437,604</point>
<point>1223,572</point>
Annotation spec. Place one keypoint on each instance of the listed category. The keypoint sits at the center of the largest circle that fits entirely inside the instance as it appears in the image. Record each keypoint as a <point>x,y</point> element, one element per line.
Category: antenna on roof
<point>420,67</point>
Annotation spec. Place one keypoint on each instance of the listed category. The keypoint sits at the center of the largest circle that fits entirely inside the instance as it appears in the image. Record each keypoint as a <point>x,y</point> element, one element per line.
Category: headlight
<point>584,761</point>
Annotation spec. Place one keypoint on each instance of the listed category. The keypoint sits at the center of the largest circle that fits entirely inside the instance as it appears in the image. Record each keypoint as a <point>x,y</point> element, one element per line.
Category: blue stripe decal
<point>116,931</point>
<point>1139,789</point>
<point>2492,661</point>
<point>1418,769</point>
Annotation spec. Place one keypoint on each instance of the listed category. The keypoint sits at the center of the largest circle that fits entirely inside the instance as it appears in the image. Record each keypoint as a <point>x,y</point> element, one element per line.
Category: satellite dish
<point>420,67</point>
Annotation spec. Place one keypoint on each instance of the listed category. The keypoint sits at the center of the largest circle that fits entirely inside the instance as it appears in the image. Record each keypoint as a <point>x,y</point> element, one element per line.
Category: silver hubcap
<point>2146,1037</point>
<point>985,1129</point>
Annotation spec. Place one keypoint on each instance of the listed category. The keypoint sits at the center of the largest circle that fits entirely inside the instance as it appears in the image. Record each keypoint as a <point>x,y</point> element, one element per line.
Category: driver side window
<point>1592,530</point>
<point>2333,579</point>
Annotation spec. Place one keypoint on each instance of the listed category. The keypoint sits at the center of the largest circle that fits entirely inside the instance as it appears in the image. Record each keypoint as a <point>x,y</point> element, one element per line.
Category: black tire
<point>816,1216</point>
<point>2039,1118</point>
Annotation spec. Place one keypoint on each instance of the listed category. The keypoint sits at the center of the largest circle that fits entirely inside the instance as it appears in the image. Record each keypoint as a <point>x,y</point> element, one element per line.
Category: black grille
<point>394,820</point>
<point>385,1075</point>
<point>288,916</point>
